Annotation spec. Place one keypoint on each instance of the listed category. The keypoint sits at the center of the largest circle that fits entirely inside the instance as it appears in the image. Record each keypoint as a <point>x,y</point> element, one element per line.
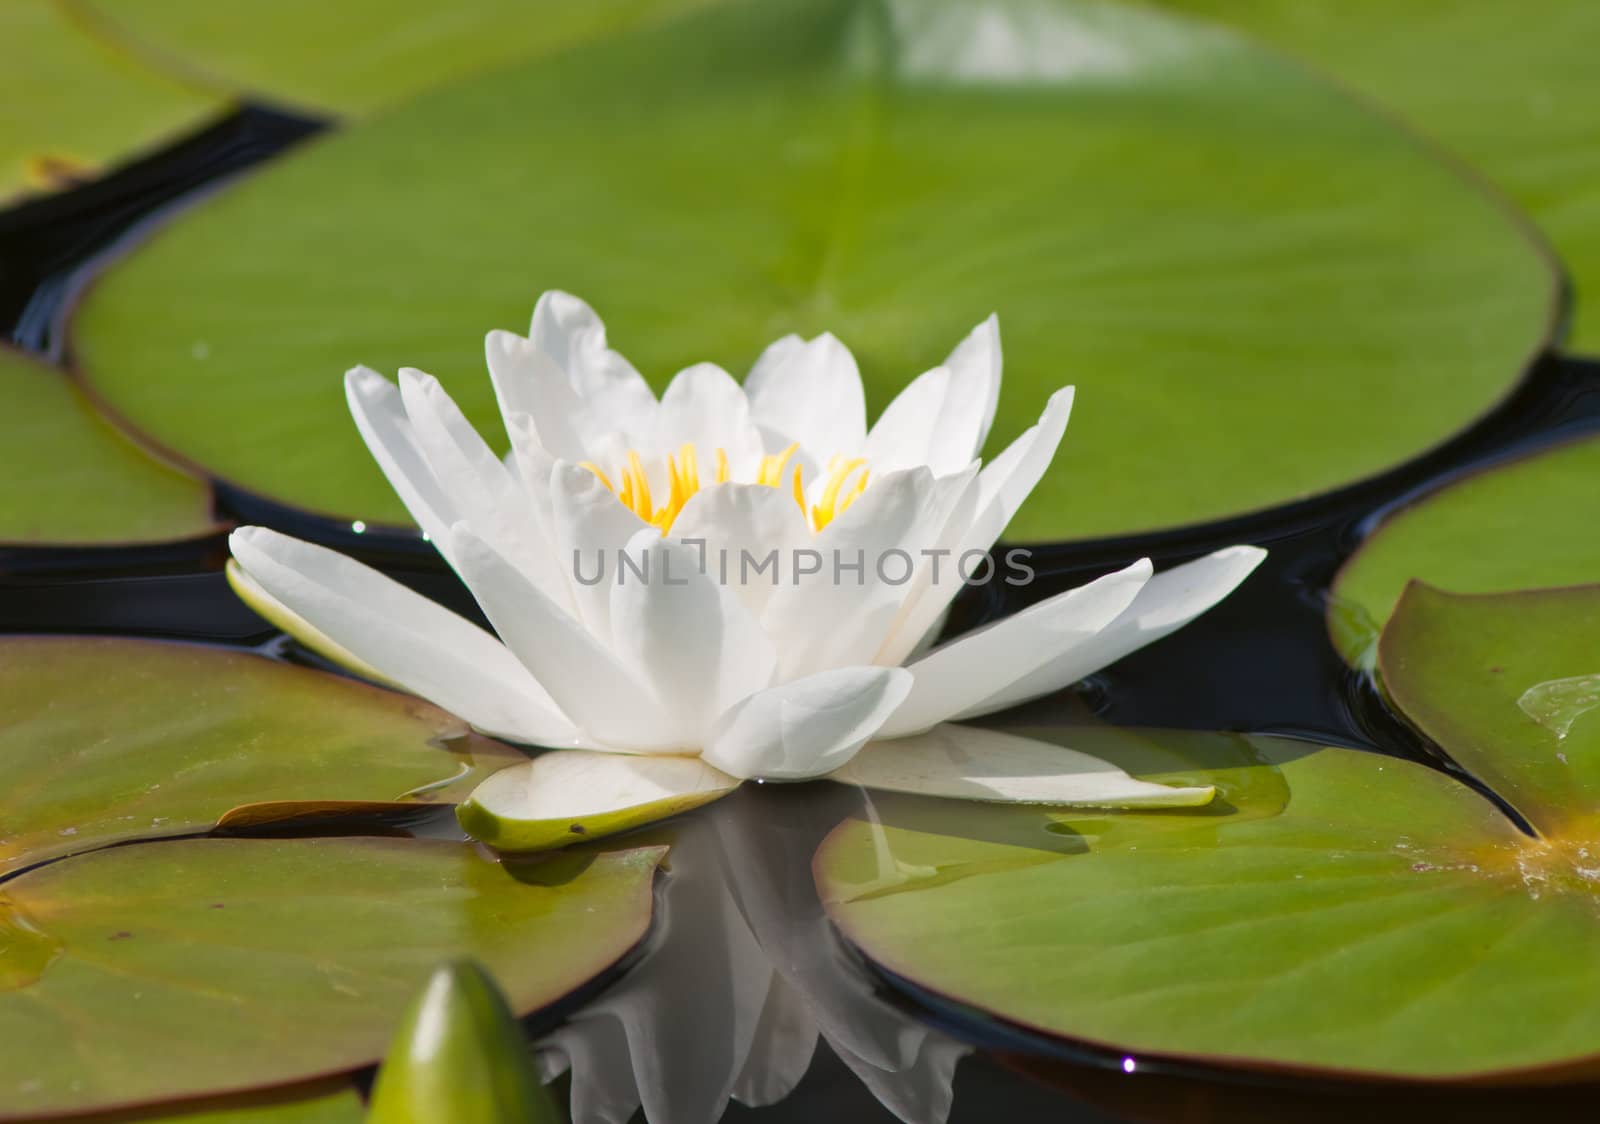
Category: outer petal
<point>380,415</point>
<point>905,433</point>
<point>482,489</point>
<point>969,763</point>
<point>808,727</point>
<point>571,795</point>
<point>974,394</point>
<point>741,526</point>
<point>810,393</point>
<point>528,383</point>
<point>406,638</point>
<point>688,638</point>
<point>616,397</point>
<point>839,616</point>
<point>596,689</point>
<point>979,666</point>
<point>705,407</point>
<point>1171,600</point>
<point>590,526</point>
<point>1003,485</point>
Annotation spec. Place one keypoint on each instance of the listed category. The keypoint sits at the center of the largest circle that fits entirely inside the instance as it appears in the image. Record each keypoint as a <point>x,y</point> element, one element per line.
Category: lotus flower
<point>600,554</point>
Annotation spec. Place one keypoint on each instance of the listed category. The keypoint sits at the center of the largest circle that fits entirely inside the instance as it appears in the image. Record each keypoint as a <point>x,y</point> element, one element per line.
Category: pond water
<point>737,908</point>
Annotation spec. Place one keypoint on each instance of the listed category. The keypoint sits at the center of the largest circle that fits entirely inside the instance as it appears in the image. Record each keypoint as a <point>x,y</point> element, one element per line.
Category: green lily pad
<point>1339,913</point>
<point>71,104</point>
<point>1510,88</point>
<point>327,1102</point>
<point>273,961</point>
<point>1525,524</point>
<point>104,740</point>
<point>1509,685</point>
<point>92,485</point>
<point>356,57</point>
<point>1184,225</point>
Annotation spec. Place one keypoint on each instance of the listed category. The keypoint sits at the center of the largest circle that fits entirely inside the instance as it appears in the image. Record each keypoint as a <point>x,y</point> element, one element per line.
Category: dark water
<point>1259,663</point>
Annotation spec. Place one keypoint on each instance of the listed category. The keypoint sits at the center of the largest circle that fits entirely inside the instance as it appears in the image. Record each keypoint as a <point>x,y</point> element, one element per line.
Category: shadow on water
<point>739,922</point>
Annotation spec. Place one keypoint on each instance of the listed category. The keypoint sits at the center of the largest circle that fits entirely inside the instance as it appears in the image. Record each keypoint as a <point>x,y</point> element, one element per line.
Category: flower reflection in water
<point>745,977</point>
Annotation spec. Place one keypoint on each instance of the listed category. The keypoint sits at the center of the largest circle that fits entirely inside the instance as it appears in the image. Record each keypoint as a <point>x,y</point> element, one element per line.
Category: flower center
<point>843,481</point>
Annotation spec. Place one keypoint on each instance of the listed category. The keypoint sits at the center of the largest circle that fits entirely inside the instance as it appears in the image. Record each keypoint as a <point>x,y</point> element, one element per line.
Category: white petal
<point>978,666</point>
<point>741,526</point>
<point>969,763</point>
<point>924,1088</point>
<point>690,639</point>
<point>484,492</point>
<point>570,795</point>
<point>1171,600</point>
<point>868,557</point>
<point>528,383</point>
<point>904,434</point>
<point>974,393</point>
<point>596,689</point>
<point>705,407</point>
<point>808,727</point>
<point>615,396</point>
<point>381,417</point>
<point>590,525</point>
<point>810,393</point>
<point>1003,485</point>
<point>406,638</point>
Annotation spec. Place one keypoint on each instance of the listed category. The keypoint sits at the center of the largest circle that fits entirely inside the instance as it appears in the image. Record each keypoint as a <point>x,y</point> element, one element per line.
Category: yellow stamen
<point>829,505</point>
<point>596,469</point>
<point>771,471</point>
<point>683,483</point>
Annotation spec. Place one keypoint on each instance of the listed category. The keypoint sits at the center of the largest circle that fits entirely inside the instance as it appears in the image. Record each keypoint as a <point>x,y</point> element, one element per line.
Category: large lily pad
<point>70,104</point>
<point>355,57</point>
<point>193,967</point>
<point>73,478</point>
<point>1525,524</point>
<point>104,740</point>
<point>1510,87</point>
<point>1184,225</point>
<point>1384,920</point>
<point>326,1102</point>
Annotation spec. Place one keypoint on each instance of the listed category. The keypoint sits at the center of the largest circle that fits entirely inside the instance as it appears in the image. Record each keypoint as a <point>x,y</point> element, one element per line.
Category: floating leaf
<point>72,105</point>
<point>327,1102</point>
<point>1509,685</point>
<point>103,740</point>
<point>356,57</point>
<point>1526,524</point>
<point>196,967</point>
<point>88,483</point>
<point>1510,88</point>
<point>1377,918</point>
<point>460,1056</point>
<point>1182,224</point>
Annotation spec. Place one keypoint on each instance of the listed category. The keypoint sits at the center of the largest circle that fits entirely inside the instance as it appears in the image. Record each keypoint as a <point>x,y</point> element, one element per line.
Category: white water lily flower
<point>781,675</point>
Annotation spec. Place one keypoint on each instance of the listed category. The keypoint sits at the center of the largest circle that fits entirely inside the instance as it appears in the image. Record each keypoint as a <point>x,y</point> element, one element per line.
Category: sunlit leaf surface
<point>103,740</point>
<point>74,479</point>
<point>191,967</point>
<point>1335,911</point>
<point>1527,524</point>
<point>71,105</point>
<point>1232,260</point>
<point>355,57</point>
<point>1510,88</point>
